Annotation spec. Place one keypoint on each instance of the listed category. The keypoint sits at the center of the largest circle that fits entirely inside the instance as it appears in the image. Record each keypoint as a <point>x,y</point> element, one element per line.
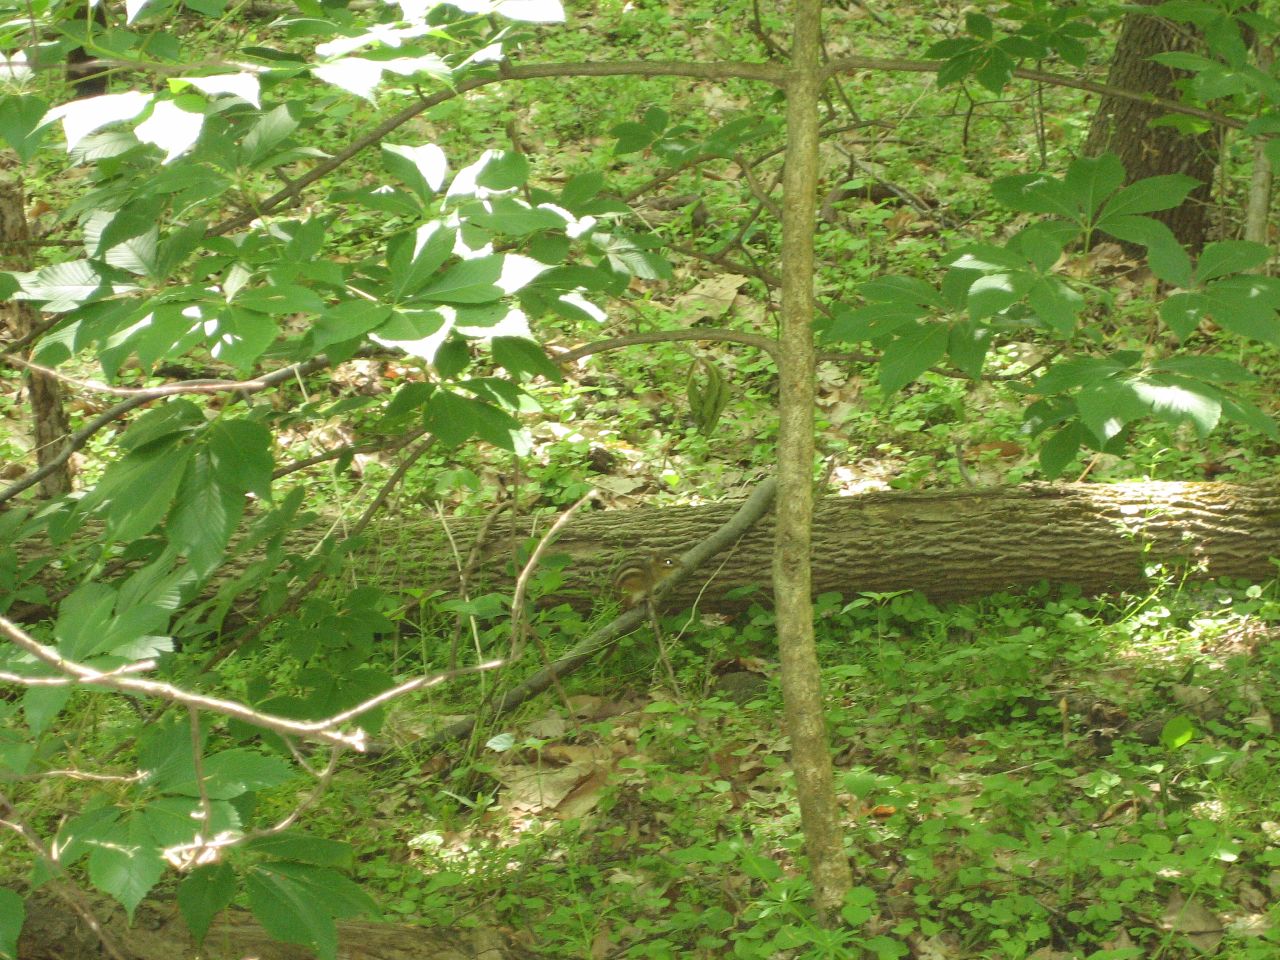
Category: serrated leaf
<point>1229,256</point>
<point>206,512</point>
<point>995,292</point>
<point>233,773</point>
<point>140,488</point>
<point>1146,196</point>
<point>1242,411</point>
<point>1212,368</point>
<point>299,847</point>
<point>1184,312</point>
<point>1036,193</point>
<point>1058,452</point>
<point>901,290</point>
<point>267,133</point>
<point>911,354</point>
<point>1167,258</point>
<point>346,321</point>
<point>1055,304</point>
<point>967,346</point>
<point>415,260</point>
<point>471,281</point>
<point>871,323</point>
<point>1090,180</point>
<point>13,913</point>
<point>519,355</point>
<point>1106,407</point>
<point>127,865</point>
<point>204,894</point>
<point>1174,399</point>
<point>20,124</point>
<point>422,169</point>
<point>297,904</point>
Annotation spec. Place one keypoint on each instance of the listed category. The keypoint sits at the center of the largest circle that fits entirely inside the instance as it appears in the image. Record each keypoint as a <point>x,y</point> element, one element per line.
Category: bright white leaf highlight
<point>429,160</point>
<point>518,271</point>
<point>242,85</point>
<point>530,11</point>
<point>1171,401</point>
<point>132,8</point>
<point>170,128</point>
<point>81,117</point>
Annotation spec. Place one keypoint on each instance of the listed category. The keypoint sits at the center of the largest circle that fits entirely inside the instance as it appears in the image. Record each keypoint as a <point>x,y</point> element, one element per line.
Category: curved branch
<point>85,433</point>
<point>846,64</point>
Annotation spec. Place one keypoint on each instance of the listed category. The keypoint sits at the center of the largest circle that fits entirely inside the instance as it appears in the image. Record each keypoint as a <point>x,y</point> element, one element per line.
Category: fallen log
<point>946,544</point>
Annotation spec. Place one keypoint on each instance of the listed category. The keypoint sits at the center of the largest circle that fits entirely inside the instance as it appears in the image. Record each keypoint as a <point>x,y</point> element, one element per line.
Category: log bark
<point>948,544</point>
<point>52,932</point>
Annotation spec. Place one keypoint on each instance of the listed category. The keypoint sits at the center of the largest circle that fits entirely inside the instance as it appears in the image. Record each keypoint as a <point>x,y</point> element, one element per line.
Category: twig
<point>752,509</point>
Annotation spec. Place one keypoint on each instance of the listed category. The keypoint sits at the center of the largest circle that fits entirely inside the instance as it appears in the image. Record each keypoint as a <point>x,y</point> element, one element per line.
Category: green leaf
<point>911,354</point>
<point>422,169</point>
<point>128,865</point>
<point>20,125</point>
<point>41,706</point>
<point>1167,258</point>
<point>1036,193</point>
<point>64,286</point>
<point>204,894</point>
<point>871,323</point>
<point>521,356</point>
<point>415,260</point>
<point>296,904</point>
<point>233,773</point>
<point>1106,407</point>
<point>1058,452</point>
<point>81,617</point>
<point>504,170</point>
<point>1184,312</point>
<point>298,847</point>
<point>1076,372</point>
<point>1212,368</point>
<point>1242,411</point>
<point>996,292</point>
<point>1178,732</point>
<point>1229,256</point>
<point>347,321</point>
<point>1146,196</point>
<point>1055,304</point>
<point>140,488</point>
<point>1090,180</point>
<point>471,281</point>
<point>206,512</point>
<point>901,290</point>
<point>241,337</point>
<point>13,912</point>
<point>967,345</point>
<point>1174,399</point>
<point>270,130</point>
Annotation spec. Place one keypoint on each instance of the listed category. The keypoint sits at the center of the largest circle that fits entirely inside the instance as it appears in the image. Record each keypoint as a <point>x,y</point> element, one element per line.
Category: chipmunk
<point>637,578</point>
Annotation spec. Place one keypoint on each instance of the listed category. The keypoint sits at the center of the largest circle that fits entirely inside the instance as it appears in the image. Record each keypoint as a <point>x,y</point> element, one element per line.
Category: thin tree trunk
<point>1257,218</point>
<point>801,678</point>
<point>47,413</point>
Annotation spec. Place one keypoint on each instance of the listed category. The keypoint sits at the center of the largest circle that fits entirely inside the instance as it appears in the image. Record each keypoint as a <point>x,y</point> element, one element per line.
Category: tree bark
<point>798,657</point>
<point>47,413</point>
<point>1123,127</point>
<point>52,932</point>
<point>946,544</point>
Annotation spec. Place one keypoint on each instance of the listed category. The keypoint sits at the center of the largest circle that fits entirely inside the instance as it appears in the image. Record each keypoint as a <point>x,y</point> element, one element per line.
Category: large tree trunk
<point>1123,127</point>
